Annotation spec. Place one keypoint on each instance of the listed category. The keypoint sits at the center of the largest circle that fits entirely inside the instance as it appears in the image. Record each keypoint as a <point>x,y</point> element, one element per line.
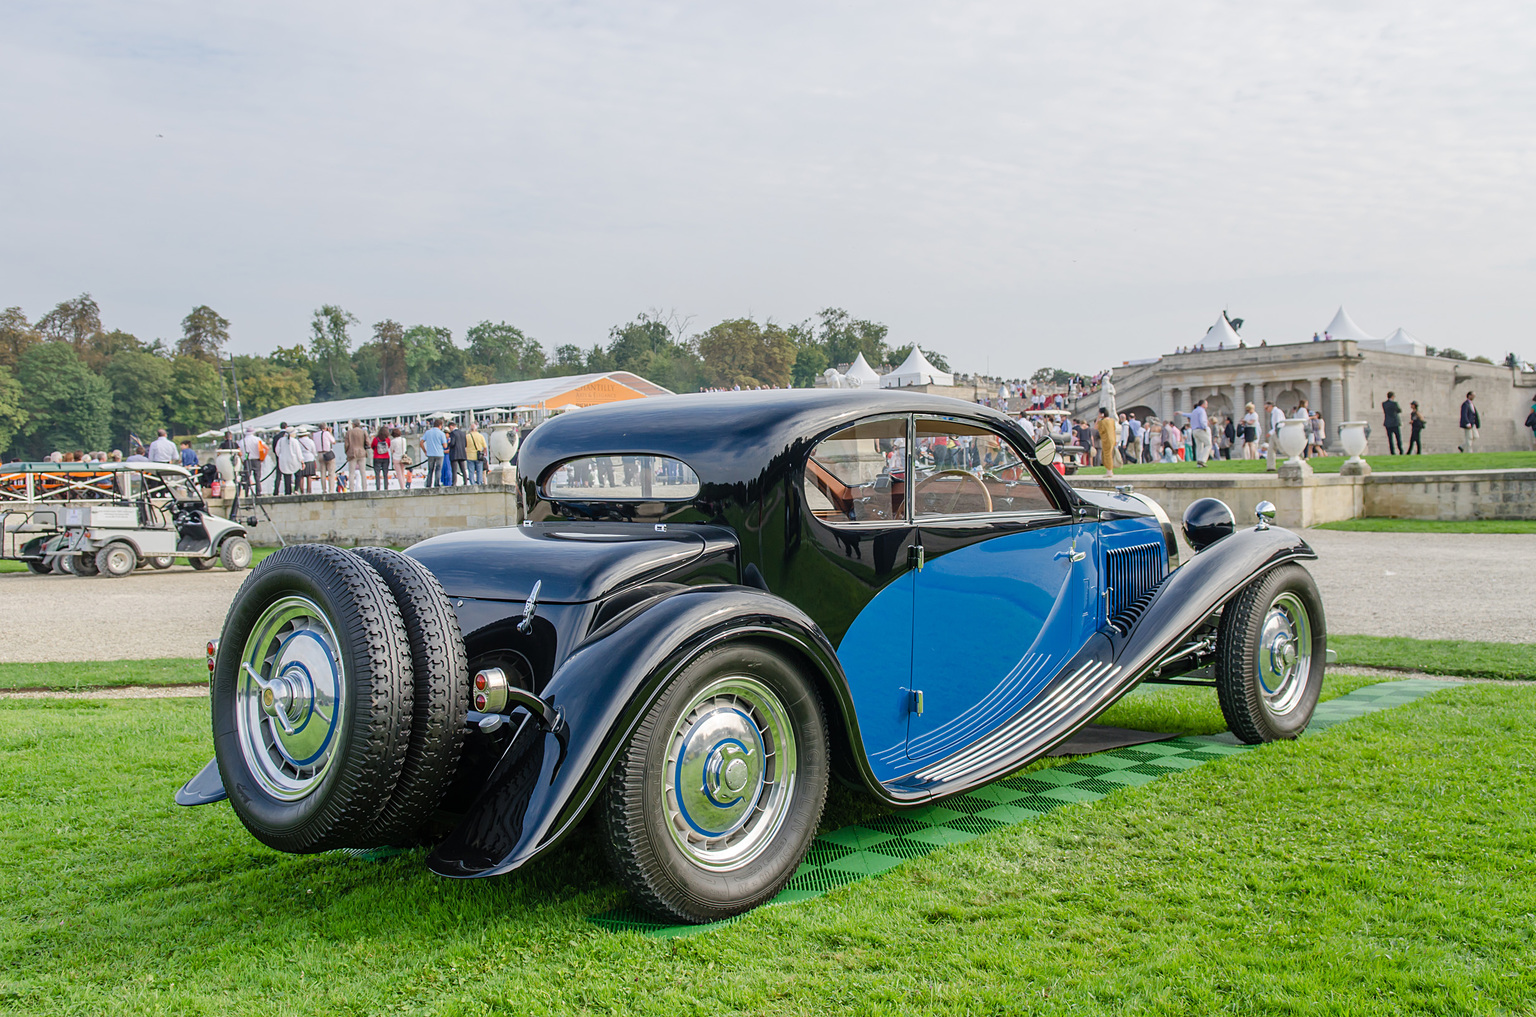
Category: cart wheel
<point>441,670</point>
<point>715,800</point>
<point>235,554</point>
<point>1270,654</point>
<point>202,564</point>
<point>83,564</point>
<point>38,568</point>
<point>162,561</point>
<point>64,564</point>
<point>116,560</point>
<point>312,697</point>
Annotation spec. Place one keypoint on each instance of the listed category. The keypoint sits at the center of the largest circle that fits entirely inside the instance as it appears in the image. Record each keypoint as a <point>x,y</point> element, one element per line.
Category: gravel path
<point>147,614</point>
<point>1427,585</point>
<point>123,692</point>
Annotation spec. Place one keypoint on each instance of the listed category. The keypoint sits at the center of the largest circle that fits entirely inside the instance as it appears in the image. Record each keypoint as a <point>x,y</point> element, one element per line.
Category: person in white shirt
<point>250,460</point>
<point>1249,433</point>
<point>397,457</point>
<point>289,462</point>
<point>307,459</point>
<point>162,449</point>
<point>325,450</point>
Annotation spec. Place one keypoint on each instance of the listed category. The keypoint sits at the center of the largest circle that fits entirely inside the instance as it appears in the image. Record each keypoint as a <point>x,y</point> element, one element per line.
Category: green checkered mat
<point>855,852</point>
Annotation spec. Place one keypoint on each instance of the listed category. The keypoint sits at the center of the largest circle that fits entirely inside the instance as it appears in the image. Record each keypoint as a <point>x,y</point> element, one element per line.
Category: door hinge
<point>915,557</point>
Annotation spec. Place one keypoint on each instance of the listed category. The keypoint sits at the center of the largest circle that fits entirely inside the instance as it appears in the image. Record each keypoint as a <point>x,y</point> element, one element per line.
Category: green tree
<point>68,407</point>
<point>140,384</point>
<point>742,352</point>
<point>73,321</point>
<point>569,360</point>
<point>16,336</point>
<point>1050,376</point>
<point>655,346</point>
<point>203,334</point>
<point>810,364</point>
<point>266,386</point>
<point>845,337</point>
<point>12,416</point>
<point>330,347</point>
<point>432,358</point>
<point>389,338</point>
<point>1450,353</point>
<point>505,351</point>
<point>194,401</point>
<point>103,346</point>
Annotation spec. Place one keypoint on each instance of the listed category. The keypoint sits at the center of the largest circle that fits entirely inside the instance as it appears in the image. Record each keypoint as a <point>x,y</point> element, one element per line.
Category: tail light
<point>213,653</point>
<point>490,694</point>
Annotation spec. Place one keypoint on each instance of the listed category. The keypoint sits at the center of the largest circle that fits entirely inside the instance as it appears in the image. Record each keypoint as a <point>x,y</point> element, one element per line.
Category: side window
<point>966,469</point>
<point>859,474</point>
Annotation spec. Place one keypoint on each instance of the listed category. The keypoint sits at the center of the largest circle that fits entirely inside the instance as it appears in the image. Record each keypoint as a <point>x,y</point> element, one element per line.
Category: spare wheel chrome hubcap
<point>290,698</point>
<point>730,773</point>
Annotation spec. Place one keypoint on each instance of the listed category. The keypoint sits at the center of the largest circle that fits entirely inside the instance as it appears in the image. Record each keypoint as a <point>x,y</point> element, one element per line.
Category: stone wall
<point>1326,498</point>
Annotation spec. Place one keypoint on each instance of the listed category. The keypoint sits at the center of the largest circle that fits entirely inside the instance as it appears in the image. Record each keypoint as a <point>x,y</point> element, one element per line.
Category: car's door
<point>1004,594</point>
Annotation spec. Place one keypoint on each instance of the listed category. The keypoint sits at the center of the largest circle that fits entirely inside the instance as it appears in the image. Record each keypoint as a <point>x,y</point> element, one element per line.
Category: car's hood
<point>575,562</point>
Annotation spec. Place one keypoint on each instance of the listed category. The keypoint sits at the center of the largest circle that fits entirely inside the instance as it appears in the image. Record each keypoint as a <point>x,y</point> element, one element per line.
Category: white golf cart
<point>110,518</point>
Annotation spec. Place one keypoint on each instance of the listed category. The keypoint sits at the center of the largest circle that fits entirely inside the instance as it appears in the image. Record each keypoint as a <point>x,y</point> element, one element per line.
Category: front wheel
<point>1270,655</point>
<point>116,560</point>
<point>202,564</point>
<point>235,554</point>
<point>716,798</point>
<point>162,561</point>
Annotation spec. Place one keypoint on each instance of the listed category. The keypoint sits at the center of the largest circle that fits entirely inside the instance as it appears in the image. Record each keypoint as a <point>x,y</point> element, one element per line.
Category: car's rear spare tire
<point>441,670</point>
<point>312,700</point>
<point>1270,654</point>
<point>716,798</point>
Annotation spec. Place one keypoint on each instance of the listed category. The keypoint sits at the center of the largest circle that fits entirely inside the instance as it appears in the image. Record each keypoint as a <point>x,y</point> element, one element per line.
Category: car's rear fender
<point>546,780</point>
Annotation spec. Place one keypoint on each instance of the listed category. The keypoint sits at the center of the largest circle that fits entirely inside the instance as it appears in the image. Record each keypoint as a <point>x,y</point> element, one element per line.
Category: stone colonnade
<point>1329,391</point>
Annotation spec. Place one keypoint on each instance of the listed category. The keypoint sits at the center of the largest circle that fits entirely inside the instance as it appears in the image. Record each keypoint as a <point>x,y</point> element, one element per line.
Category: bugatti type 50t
<point>715,605</point>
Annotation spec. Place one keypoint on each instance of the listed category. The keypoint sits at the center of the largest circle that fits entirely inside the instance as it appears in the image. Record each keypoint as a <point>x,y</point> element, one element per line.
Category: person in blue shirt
<point>432,444</point>
<point>188,457</point>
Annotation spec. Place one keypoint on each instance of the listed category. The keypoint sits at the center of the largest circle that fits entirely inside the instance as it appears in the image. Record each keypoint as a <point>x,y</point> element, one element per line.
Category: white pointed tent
<point>861,374</point>
<point>916,370</point>
<point>1343,327</point>
<point>1220,335</point>
<point>1402,341</point>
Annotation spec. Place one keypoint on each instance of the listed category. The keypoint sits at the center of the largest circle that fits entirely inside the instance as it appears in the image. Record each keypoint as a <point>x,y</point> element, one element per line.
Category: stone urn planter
<point>1352,437</point>
<point>501,443</point>
<point>1291,440</point>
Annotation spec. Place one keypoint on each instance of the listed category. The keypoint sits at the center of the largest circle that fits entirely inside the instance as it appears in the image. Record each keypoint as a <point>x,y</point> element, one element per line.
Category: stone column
<point>1346,410</point>
<point>1315,395</point>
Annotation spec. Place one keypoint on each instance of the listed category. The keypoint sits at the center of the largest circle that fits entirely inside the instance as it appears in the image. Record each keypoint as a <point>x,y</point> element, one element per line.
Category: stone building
<point>1339,377</point>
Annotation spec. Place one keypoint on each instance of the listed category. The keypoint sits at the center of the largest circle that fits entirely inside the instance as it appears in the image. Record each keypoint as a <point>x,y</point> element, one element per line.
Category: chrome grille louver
<point>1130,574</point>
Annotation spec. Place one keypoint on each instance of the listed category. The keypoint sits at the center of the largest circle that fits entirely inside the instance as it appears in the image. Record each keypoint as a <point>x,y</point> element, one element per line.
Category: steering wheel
<point>931,501</point>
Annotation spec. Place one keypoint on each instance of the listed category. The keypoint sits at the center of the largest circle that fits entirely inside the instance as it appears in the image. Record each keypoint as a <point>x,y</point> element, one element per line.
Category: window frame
<point>1055,513</point>
<point>862,524</point>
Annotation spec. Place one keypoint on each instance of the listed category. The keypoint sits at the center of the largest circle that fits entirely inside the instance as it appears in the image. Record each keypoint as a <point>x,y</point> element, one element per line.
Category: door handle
<point>915,557</point>
<point>1074,556</point>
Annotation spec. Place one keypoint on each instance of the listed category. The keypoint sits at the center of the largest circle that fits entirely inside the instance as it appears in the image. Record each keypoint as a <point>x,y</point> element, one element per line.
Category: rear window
<point>622,478</point>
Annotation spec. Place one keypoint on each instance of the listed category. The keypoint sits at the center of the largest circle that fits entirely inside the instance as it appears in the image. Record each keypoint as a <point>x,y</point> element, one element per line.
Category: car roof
<point>725,435</point>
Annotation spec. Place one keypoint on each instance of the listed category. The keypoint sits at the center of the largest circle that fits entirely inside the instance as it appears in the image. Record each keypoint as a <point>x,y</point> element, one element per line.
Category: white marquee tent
<point>1403,341</point>
<point>915,370</point>
<point>860,373</point>
<point>1343,327</point>
<point>1220,336</point>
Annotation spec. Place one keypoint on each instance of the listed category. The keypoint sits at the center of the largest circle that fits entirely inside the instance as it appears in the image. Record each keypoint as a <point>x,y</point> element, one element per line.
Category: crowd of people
<point>305,460</point>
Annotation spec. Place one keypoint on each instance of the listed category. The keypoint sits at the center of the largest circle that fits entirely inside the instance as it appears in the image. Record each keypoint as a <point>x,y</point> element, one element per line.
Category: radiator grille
<point>1130,574</point>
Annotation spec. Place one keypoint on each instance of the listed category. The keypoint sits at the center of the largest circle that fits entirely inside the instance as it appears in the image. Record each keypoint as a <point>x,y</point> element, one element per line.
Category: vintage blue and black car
<point>715,605</point>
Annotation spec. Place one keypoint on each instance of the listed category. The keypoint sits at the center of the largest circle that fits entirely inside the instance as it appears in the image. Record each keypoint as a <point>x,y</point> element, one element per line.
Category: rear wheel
<point>1271,651</point>
<point>38,568</point>
<point>441,671</point>
<point>117,560</point>
<point>312,697</point>
<point>716,798</point>
<point>162,561</point>
<point>202,564</point>
<point>83,564</point>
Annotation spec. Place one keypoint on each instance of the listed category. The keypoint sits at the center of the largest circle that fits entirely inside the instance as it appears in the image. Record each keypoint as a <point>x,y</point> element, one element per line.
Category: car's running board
<point>204,789</point>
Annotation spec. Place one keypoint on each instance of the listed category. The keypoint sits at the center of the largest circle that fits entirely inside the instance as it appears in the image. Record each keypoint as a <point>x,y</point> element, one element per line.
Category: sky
<point>1012,184</point>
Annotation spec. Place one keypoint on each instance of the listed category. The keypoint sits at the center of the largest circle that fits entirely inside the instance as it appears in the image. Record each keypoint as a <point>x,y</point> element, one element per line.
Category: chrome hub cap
<point>730,773</point>
<point>1285,653</point>
<point>290,698</point>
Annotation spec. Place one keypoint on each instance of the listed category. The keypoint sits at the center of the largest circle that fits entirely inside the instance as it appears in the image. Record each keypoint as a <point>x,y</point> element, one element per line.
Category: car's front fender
<point>1195,590</point>
<point>546,779</point>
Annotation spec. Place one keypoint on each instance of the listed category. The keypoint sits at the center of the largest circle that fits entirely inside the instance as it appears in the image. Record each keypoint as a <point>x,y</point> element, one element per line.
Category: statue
<point>1107,394</point>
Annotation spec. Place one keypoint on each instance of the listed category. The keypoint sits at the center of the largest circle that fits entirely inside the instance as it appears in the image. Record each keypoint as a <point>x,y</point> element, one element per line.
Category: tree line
<point>68,383</point>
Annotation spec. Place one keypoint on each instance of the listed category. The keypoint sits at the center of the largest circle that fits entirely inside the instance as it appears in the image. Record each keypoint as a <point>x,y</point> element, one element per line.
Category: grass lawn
<point>86,673</point>
<point>1379,524</point>
<point>1508,661</point>
<point>1386,865</point>
<point>1330,464</point>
